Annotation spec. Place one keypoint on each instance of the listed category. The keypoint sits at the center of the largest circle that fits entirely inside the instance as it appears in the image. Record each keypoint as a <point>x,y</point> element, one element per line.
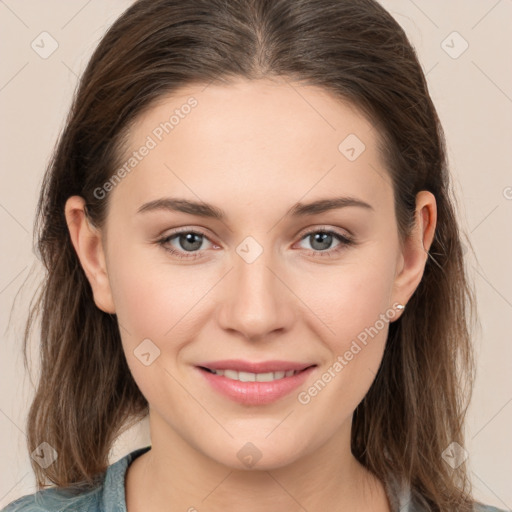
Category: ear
<point>414,255</point>
<point>87,242</point>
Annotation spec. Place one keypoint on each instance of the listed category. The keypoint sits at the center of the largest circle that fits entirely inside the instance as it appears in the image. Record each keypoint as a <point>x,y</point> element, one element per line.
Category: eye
<point>321,240</point>
<point>188,244</point>
<point>187,241</point>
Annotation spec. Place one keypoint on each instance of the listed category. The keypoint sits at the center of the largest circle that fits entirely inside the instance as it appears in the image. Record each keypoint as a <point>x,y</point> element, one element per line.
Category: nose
<point>257,301</point>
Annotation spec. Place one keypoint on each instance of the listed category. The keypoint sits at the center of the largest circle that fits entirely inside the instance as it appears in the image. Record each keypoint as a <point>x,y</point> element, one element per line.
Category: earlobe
<point>415,252</point>
<point>87,242</point>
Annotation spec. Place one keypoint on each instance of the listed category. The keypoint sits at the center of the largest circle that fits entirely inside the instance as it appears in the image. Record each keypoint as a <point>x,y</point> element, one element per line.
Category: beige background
<point>473,95</point>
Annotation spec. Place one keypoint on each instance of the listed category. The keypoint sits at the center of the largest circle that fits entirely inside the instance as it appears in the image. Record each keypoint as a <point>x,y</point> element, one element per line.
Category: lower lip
<point>256,393</point>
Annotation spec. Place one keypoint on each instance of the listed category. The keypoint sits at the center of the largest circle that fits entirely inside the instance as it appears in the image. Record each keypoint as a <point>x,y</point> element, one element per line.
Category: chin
<point>257,455</point>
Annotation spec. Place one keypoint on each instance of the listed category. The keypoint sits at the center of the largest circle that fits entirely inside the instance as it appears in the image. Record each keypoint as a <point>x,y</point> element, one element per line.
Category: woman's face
<point>260,280</point>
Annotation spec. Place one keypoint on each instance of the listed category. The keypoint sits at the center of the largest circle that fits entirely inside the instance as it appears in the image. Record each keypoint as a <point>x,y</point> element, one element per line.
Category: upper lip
<point>253,367</point>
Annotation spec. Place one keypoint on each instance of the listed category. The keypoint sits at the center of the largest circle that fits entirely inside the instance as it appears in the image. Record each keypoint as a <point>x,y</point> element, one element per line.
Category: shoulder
<point>107,496</point>
<point>56,500</point>
<point>480,507</point>
<point>402,497</point>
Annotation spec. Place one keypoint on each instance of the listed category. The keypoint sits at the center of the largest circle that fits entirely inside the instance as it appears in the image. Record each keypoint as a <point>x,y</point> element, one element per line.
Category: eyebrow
<point>203,209</point>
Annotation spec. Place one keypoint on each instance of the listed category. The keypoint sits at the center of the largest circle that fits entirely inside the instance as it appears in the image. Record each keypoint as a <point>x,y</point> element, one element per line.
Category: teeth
<point>246,377</point>
<point>230,374</point>
<point>254,377</point>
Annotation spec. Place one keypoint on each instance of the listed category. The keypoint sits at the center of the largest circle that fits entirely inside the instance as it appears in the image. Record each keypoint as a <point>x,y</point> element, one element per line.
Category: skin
<point>253,149</point>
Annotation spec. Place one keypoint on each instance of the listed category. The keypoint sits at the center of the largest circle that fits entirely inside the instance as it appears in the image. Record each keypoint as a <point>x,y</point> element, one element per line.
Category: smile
<point>253,377</point>
<point>251,388</point>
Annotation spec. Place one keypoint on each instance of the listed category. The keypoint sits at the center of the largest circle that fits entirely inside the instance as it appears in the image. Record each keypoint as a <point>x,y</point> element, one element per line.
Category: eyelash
<point>344,240</point>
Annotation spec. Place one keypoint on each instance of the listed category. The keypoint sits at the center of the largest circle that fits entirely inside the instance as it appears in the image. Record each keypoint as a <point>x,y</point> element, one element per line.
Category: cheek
<point>350,298</point>
<point>158,300</point>
<point>147,296</point>
<point>354,302</point>
<point>143,298</point>
<point>359,322</point>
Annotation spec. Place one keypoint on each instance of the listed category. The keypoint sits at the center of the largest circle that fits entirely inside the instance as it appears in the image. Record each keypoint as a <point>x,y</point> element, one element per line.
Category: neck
<point>173,475</point>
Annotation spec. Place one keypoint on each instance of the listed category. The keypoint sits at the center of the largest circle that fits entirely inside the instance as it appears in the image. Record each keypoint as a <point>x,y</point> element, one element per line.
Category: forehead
<point>253,140</point>
<point>258,111</point>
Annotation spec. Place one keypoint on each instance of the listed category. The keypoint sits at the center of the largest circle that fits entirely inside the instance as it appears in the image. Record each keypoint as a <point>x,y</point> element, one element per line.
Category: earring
<point>400,306</point>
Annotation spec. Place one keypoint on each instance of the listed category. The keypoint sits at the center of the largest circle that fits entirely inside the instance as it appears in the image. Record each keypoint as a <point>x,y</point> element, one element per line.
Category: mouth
<point>256,387</point>
<point>254,377</point>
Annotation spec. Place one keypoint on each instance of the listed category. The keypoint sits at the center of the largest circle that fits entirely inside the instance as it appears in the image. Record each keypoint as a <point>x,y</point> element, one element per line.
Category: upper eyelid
<point>320,228</point>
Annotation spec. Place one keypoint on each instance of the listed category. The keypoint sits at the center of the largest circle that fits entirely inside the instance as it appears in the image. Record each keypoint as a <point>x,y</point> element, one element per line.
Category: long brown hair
<point>355,50</point>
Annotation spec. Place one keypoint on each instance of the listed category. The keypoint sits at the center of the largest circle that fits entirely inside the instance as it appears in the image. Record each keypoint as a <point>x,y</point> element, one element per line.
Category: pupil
<point>322,238</point>
<point>189,239</point>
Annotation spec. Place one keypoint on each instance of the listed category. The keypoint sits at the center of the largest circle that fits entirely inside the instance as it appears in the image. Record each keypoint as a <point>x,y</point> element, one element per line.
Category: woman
<point>249,237</point>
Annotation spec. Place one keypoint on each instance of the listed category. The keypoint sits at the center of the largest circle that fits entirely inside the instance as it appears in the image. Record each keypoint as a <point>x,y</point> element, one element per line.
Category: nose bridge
<point>256,304</point>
